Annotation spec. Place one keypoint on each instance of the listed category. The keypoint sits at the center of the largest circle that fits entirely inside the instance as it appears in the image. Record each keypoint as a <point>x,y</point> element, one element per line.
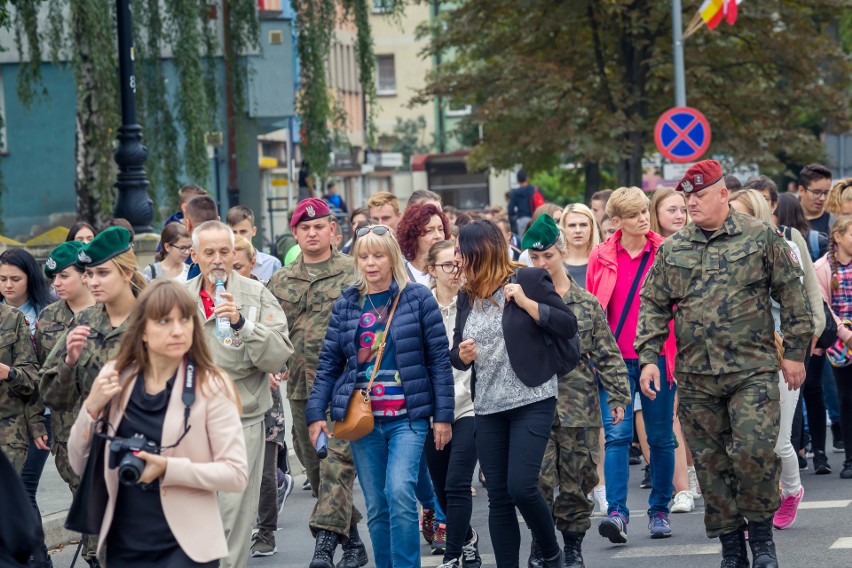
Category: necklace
<point>375,309</point>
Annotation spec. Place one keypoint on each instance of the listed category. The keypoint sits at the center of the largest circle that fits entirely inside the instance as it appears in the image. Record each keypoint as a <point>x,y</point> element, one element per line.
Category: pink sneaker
<point>785,516</point>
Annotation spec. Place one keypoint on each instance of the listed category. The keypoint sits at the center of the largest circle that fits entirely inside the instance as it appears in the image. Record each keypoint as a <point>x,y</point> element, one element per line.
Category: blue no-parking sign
<point>682,134</point>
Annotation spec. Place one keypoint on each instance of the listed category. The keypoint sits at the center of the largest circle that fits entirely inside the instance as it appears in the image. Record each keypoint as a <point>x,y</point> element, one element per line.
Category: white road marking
<point>426,561</point>
<point>839,504</point>
<point>652,551</point>
<point>844,542</point>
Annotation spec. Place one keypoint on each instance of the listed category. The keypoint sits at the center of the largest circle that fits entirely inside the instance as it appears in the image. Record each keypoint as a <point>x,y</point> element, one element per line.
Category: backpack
<point>536,199</point>
<point>813,245</point>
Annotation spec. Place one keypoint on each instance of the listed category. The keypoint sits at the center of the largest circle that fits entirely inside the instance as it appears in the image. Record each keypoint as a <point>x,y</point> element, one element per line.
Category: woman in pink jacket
<point>616,271</point>
<point>163,385</point>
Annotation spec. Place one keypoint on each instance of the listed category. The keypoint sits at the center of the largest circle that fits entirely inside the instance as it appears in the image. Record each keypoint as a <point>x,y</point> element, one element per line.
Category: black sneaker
<point>847,470</point>
<point>646,481</point>
<point>803,463</point>
<point>635,455</point>
<point>821,466</point>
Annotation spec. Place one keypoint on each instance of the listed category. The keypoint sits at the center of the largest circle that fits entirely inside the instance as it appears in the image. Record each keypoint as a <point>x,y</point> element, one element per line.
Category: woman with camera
<point>386,337</point>
<point>176,438</point>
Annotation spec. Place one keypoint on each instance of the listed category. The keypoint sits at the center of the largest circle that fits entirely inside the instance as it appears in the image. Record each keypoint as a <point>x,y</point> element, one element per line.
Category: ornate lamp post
<point>132,202</point>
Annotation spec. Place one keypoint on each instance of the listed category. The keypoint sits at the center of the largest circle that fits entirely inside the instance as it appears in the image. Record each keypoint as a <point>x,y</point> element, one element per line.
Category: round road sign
<point>682,134</point>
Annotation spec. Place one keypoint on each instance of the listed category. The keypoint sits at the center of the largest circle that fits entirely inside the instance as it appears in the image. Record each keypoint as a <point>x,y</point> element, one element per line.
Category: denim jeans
<point>425,492</point>
<point>829,389</point>
<point>388,463</point>
<point>658,415</point>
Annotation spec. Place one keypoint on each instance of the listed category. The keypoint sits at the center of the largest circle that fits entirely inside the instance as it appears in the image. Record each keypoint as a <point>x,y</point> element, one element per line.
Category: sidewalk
<point>54,496</point>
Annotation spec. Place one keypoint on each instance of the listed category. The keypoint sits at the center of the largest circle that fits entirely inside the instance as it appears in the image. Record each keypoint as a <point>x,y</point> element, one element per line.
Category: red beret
<point>308,210</point>
<point>703,174</point>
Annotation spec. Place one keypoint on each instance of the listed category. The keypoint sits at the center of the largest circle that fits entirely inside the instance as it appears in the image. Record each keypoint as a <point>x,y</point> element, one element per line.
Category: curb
<point>55,533</point>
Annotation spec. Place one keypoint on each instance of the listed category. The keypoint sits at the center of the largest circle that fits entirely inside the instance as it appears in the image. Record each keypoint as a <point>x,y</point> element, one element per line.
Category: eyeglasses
<point>449,267</point>
<point>377,229</point>
<point>817,194</point>
<point>183,249</point>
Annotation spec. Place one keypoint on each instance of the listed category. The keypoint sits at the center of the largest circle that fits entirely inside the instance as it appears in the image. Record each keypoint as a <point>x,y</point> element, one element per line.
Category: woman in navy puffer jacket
<point>412,384</point>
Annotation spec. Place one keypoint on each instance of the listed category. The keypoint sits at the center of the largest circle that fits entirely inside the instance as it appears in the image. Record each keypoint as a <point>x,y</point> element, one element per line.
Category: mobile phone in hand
<point>322,445</point>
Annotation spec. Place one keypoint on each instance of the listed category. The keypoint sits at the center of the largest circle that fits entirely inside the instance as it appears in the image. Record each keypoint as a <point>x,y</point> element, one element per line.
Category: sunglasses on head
<point>377,229</point>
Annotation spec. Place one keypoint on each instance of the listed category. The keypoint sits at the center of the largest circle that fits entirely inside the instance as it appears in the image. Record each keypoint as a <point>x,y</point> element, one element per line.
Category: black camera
<point>122,456</point>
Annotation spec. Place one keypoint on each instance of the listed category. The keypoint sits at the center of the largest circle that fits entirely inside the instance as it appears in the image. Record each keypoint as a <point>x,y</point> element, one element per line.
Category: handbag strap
<point>382,345</point>
<point>632,293</point>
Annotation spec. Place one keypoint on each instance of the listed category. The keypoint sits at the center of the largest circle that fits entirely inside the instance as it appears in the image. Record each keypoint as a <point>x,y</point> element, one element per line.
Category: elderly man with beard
<point>256,345</point>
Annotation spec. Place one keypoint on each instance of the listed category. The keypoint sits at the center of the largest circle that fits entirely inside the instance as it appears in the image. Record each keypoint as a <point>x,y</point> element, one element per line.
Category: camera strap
<point>188,398</point>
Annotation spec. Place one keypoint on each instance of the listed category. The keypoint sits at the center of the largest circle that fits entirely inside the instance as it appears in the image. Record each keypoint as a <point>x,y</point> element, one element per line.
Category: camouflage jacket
<point>722,287</point>
<point>578,404</point>
<point>16,351</point>
<point>273,420</point>
<point>53,323</point>
<point>62,387</point>
<point>306,294</point>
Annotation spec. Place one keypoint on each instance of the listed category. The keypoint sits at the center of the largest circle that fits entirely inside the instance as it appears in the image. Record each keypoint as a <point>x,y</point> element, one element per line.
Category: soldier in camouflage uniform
<point>18,379</point>
<point>573,452</point>
<point>68,373</point>
<point>720,271</point>
<point>307,289</point>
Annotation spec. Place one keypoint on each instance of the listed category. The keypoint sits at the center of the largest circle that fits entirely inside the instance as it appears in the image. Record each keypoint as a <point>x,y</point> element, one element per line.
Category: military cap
<point>308,210</point>
<point>62,257</point>
<point>107,245</point>
<point>700,175</point>
<point>541,235</point>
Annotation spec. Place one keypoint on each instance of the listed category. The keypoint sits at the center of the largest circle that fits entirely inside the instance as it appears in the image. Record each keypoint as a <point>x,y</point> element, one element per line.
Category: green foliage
<point>562,185</point>
<point>407,138</point>
<point>555,82</point>
<point>320,114</point>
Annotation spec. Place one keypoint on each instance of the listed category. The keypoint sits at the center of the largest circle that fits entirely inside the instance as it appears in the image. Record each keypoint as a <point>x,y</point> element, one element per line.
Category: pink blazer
<point>211,458</point>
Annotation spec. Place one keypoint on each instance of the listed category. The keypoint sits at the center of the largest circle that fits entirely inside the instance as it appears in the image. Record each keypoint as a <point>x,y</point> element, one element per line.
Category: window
<point>385,75</point>
<point>381,6</point>
<point>455,108</point>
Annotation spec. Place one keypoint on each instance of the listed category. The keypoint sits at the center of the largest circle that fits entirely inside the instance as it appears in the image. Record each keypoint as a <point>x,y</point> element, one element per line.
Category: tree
<point>407,138</point>
<point>83,33</point>
<point>585,81</point>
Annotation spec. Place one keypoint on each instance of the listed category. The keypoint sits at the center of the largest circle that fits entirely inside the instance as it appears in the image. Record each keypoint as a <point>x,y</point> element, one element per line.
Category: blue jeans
<point>388,462</point>
<point>658,415</point>
<point>426,492</point>
<point>829,390</point>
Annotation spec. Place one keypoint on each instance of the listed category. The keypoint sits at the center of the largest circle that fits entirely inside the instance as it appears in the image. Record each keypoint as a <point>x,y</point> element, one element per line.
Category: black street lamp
<point>132,202</point>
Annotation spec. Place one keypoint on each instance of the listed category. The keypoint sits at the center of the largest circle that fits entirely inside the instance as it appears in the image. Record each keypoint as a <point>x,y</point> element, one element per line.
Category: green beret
<point>541,235</point>
<point>62,257</point>
<point>107,245</point>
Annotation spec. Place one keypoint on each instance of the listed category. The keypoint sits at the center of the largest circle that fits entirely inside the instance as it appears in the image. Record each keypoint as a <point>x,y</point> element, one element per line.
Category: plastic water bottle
<point>223,325</point>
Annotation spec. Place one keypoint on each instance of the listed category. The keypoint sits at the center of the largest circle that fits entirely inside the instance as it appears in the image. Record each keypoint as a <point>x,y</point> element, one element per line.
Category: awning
<point>420,161</point>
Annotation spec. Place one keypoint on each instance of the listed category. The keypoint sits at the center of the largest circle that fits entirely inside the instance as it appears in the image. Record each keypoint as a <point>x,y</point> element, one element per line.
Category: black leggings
<point>451,471</point>
<point>510,445</point>
<point>843,376</point>
<point>812,396</point>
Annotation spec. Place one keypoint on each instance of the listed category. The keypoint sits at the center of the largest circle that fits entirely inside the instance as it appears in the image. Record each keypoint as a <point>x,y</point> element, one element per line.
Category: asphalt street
<point>820,538</point>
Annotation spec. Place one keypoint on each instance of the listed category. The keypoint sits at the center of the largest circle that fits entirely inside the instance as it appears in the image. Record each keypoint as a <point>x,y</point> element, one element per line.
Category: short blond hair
<point>754,203</point>
<point>581,209</point>
<point>383,198</point>
<point>626,202</point>
<point>242,243</point>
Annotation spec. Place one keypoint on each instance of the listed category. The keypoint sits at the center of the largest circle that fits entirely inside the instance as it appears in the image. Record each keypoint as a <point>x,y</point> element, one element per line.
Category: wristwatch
<point>13,374</point>
<point>240,323</point>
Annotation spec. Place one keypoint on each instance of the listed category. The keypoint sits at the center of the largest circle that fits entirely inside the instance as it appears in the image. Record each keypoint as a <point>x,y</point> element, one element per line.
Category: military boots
<point>354,551</point>
<point>573,552</point>
<point>324,550</point>
<point>536,560</point>
<point>762,546</point>
<point>734,551</point>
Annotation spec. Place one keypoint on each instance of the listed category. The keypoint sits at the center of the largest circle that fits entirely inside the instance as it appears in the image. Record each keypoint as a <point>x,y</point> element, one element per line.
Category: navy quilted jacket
<point>422,357</point>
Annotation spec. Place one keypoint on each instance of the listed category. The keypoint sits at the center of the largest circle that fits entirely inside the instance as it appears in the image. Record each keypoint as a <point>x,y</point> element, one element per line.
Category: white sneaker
<point>683,503</point>
<point>601,503</point>
<point>694,488</point>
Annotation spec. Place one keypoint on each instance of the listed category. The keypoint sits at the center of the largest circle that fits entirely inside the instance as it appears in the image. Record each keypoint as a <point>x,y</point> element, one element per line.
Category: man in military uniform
<point>18,379</point>
<point>307,289</point>
<point>720,272</point>
<point>573,452</point>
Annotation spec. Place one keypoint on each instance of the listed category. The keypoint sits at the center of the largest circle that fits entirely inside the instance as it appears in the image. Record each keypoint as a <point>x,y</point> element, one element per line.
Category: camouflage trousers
<point>731,423</point>
<point>332,479</point>
<point>17,455</point>
<point>569,469</point>
<point>60,451</point>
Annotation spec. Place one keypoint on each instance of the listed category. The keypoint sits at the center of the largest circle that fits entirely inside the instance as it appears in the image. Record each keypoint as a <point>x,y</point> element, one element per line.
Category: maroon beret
<point>703,174</point>
<point>308,210</point>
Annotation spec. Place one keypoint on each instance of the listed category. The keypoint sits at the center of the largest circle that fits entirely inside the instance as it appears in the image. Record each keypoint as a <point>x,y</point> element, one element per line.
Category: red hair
<point>411,226</point>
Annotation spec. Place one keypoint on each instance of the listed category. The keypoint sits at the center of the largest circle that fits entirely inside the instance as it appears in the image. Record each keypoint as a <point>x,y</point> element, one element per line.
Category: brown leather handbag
<point>359,414</point>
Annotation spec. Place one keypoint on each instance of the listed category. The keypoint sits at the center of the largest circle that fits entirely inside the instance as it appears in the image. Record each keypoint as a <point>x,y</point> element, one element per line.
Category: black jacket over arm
<point>533,351</point>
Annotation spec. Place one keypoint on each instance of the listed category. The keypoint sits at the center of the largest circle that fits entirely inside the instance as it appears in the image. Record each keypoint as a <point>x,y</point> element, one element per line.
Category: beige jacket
<point>211,458</point>
<point>264,345</point>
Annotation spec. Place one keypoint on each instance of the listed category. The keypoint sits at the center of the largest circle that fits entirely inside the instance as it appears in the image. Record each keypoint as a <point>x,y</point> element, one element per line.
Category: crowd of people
<point>554,346</point>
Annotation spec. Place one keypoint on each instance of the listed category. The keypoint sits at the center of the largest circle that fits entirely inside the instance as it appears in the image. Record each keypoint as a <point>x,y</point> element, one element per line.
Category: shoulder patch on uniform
<point>794,257</point>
